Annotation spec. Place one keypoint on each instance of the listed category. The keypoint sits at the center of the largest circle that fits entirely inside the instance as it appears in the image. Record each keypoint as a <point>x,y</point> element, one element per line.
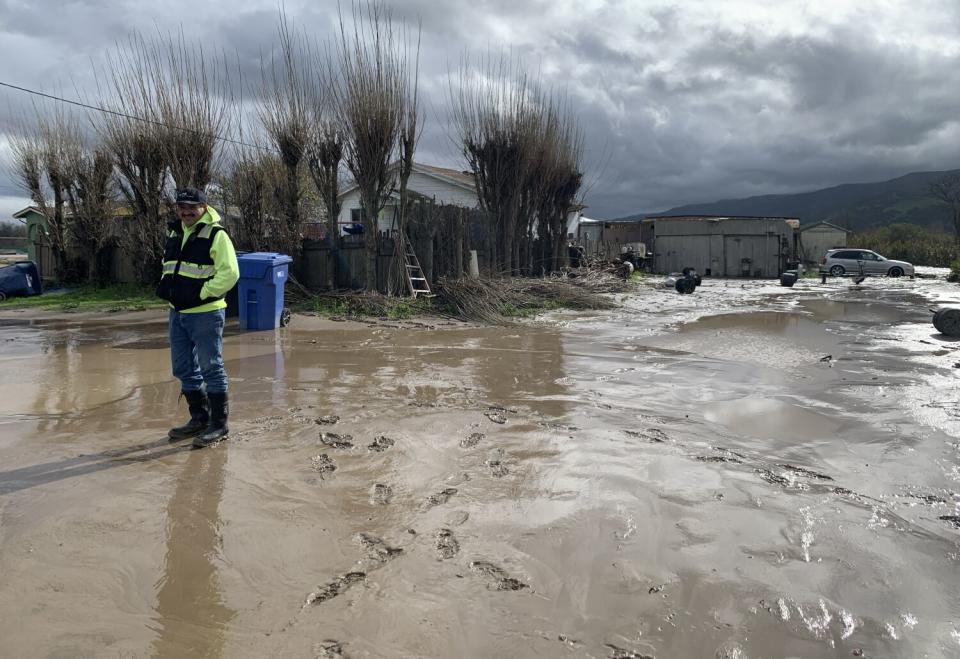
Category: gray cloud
<point>681,101</point>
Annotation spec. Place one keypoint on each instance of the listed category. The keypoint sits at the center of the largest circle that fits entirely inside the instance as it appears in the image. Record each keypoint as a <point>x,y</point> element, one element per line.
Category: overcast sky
<point>682,101</point>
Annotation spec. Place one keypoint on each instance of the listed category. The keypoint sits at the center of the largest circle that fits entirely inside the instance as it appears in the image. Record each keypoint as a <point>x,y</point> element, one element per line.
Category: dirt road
<point>751,471</point>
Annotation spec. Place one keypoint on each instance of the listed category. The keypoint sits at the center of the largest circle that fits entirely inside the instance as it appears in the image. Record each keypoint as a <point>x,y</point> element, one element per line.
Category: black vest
<point>187,267</point>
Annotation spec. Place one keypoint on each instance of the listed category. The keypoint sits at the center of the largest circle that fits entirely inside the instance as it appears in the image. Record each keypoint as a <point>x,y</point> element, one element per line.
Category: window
<point>357,215</point>
<point>846,255</point>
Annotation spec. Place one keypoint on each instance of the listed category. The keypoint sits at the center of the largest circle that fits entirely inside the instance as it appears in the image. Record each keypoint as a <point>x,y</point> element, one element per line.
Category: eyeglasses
<point>188,207</point>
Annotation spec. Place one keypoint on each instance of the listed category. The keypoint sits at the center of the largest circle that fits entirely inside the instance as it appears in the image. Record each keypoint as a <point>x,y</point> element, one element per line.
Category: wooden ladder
<point>415,280</point>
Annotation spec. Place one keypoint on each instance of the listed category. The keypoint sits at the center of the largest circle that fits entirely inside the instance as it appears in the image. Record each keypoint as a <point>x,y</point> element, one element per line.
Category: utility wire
<point>131,116</point>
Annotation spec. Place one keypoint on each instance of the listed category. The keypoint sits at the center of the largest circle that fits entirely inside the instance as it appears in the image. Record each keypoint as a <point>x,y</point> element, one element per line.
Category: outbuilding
<point>817,239</point>
<point>722,246</point>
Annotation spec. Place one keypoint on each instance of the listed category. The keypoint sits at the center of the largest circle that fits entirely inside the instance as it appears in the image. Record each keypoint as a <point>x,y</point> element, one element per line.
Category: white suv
<point>840,262</point>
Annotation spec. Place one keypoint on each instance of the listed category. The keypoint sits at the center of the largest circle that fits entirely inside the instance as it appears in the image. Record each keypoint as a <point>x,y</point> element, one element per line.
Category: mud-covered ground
<point>750,471</point>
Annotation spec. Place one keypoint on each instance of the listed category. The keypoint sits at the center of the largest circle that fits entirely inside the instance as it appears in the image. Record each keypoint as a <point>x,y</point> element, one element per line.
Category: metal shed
<point>724,246</point>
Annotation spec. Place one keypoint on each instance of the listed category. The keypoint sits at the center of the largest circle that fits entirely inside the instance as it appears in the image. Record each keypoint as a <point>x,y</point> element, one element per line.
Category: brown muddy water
<point>746,472</point>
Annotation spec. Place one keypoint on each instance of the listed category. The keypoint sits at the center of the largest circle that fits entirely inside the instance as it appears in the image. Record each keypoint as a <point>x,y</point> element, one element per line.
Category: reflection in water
<point>191,615</point>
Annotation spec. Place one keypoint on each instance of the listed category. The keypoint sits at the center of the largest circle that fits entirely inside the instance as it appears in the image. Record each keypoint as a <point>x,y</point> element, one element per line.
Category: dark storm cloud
<point>680,101</point>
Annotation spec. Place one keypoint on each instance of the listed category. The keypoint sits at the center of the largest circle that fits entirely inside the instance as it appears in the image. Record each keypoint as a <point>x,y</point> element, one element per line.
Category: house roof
<point>23,212</point>
<point>452,176</point>
<point>825,224</point>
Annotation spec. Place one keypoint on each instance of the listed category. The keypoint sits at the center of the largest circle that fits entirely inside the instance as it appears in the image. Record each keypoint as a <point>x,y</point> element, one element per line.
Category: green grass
<point>117,297</point>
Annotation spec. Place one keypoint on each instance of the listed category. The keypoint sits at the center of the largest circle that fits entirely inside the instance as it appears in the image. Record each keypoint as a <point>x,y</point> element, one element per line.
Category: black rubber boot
<point>199,416</point>
<point>217,430</point>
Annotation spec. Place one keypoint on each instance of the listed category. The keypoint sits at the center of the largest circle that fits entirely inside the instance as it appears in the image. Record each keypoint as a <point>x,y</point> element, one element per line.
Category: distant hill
<point>856,206</point>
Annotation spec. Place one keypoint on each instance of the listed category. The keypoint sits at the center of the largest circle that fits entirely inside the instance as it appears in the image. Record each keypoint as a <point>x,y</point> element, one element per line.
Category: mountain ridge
<point>855,206</point>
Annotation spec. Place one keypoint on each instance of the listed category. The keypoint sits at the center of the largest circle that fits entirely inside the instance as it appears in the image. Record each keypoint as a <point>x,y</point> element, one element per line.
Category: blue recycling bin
<point>20,279</point>
<point>260,290</point>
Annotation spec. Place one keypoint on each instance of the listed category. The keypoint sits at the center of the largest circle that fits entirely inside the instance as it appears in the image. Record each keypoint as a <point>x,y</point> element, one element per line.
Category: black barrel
<point>947,321</point>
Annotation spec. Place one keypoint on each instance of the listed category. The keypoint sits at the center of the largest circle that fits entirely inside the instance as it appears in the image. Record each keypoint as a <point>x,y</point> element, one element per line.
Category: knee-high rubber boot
<point>217,430</point>
<point>199,416</point>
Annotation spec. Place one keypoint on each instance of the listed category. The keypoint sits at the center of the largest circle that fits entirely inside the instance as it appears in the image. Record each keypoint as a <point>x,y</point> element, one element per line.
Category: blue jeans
<point>196,350</point>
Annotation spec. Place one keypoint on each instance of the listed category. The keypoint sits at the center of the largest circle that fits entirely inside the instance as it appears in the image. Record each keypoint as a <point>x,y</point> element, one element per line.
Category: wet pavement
<point>750,471</point>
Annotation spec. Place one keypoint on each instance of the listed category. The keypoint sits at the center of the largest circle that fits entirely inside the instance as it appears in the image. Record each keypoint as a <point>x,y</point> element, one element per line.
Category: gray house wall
<point>723,247</point>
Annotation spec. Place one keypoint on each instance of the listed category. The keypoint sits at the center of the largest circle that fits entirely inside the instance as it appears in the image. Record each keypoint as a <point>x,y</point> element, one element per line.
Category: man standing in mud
<point>199,268</point>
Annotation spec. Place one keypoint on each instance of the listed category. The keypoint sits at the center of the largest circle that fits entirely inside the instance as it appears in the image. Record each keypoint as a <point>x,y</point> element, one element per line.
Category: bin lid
<point>255,264</point>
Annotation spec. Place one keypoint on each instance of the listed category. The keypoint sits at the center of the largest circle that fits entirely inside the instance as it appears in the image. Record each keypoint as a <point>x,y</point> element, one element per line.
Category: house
<point>722,246</point>
<point>816,239</point>
<point>36,223</point>
<point>444,186</point>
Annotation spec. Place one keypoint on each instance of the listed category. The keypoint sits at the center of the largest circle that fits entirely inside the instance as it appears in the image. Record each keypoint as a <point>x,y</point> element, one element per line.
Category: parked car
<point>840,262</point>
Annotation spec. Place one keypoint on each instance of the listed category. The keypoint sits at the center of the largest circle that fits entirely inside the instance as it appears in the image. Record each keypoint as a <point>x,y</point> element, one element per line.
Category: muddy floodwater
<point>750,471</point>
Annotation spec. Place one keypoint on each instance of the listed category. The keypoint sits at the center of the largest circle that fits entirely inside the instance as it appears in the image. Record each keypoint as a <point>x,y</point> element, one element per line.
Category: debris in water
<point>323,463</point>
<point>471,441</point>
<point>339,585</point>
<point>772,478</point>
<point>333,440</point>
<point>655,589</point>
<point>441,497</point>
<point>827,358</point>
<point>381,494</point>
<point>730,650</point>
<point>500,579</point>
<point>327,420</point>
<point>651,435</point>
<point>447,545</point>
<point>381,443</point>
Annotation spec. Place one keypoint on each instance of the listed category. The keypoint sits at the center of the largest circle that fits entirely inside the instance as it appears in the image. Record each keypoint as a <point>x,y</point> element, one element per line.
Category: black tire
<point>895,272</point>
<point>838,271</point>
<point>285,317</point>
<point>698,279</point>
<point>788,279</point>
<point>685,286</point>
<point>947,321</point>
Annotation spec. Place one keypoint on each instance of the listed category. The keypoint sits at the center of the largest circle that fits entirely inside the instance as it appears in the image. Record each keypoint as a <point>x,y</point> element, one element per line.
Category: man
<point>199,268</point>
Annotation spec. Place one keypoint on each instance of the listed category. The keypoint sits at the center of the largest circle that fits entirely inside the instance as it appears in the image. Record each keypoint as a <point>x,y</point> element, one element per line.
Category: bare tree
<point>370,83</point>
<point>285,109</point>
<point>947,192</point>
<point>89,197</point>
<point>496,116</point>
<point>168,107</point>
<point>252,185</point>
<point>40,164</point>
<point>324,160</point>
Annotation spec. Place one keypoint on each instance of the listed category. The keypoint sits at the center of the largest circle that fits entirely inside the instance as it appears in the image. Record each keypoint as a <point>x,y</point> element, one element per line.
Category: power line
<point>130,116</point>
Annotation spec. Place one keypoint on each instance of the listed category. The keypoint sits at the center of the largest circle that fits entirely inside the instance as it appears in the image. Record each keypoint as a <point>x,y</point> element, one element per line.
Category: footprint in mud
<point>381,494</point>
<point>457,518</point>
<point>499,579</point>
<point>327,420</point>
<point>377,549</point>
<point>471,441</point>
<point>440,497</point>
<point>329,649</point>
<point>381,443</point>
<point>952,519</point>
<point>718,458</point>
<point>495,462</point>
<point>806,472</point>
<point>622,653</point>
<point>323,463</point>
<point>336,587</point>
<point>333,440</point>
<point>447,545</point>
<point>496,416</point>
<point>651,435</point>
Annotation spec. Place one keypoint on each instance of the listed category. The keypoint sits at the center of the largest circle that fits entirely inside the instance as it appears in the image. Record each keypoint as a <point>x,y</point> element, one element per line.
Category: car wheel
<point>837,271</point>
<point>896,272</point>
